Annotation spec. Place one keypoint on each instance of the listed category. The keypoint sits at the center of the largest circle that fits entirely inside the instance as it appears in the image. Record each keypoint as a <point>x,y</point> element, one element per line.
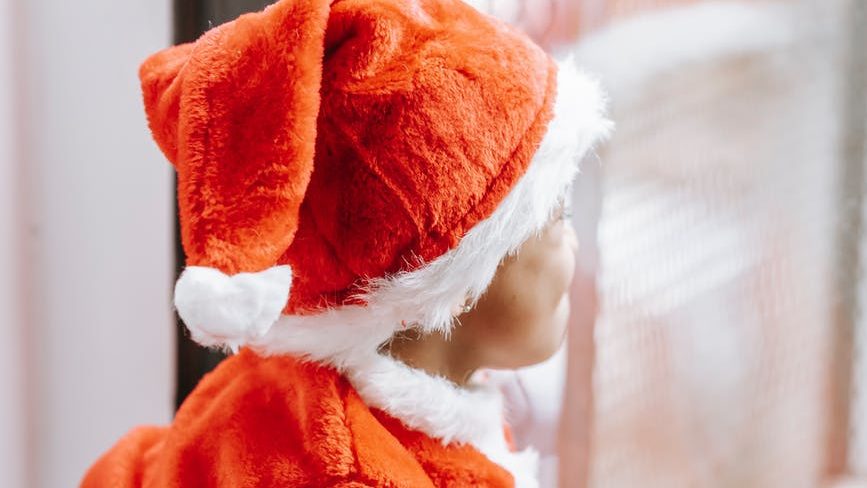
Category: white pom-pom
<point>230,311</point>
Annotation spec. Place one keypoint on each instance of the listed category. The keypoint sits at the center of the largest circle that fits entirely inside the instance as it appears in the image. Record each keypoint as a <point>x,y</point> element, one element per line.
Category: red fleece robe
<point>278,421</point>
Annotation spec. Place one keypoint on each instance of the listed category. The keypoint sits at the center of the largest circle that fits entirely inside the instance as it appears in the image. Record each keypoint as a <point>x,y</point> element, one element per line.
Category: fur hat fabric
<point>377,157</point>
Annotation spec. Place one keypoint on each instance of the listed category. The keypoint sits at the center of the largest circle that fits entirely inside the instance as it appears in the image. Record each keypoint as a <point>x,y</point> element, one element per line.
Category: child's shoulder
<point>261,421</point>
<point>247,382</point>
<point>286,414</point>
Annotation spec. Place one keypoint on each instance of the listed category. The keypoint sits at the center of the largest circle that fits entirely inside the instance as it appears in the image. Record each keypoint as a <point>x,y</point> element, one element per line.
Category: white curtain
<point>719,245</point>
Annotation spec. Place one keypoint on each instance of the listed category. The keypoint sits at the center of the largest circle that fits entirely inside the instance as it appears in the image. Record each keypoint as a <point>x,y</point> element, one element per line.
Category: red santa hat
<point>349,167</point>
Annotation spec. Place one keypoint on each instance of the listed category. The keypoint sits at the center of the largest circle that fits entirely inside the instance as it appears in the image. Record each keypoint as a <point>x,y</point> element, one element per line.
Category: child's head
<point>385,160</point>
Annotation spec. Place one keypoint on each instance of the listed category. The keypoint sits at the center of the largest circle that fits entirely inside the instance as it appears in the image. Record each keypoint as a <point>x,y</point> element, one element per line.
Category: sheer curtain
<point>724,216</point>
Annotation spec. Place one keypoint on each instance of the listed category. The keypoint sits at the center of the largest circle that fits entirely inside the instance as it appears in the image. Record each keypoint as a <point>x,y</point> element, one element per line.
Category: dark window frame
<point>191,19</point>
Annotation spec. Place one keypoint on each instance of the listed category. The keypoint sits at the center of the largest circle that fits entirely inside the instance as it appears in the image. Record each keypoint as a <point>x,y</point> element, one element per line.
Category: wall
<point>12,430</point>
<point>93,219</point>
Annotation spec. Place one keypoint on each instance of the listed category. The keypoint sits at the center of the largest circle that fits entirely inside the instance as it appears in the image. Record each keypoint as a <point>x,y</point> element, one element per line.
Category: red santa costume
<point>345,169</point>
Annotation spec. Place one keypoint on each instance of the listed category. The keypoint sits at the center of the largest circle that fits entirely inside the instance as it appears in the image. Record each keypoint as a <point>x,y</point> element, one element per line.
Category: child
<point>400,165</point>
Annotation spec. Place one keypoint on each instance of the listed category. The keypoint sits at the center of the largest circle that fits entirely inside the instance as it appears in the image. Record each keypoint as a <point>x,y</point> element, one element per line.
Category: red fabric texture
<point>350,140</point>
<point>279,422</point>
<point>234,116</point>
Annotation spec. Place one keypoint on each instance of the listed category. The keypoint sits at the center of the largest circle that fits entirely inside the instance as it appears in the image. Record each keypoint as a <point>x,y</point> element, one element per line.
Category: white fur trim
<point>629,54</point>
<point>222,310</point>
<point>348,337</point>
<point>443,410</point>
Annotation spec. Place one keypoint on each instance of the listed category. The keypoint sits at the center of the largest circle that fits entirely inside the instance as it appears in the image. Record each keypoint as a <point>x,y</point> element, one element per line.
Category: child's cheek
<point>556,263</point>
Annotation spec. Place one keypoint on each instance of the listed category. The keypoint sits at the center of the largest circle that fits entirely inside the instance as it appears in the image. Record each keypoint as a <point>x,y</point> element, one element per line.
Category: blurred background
<point>719,336</point>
